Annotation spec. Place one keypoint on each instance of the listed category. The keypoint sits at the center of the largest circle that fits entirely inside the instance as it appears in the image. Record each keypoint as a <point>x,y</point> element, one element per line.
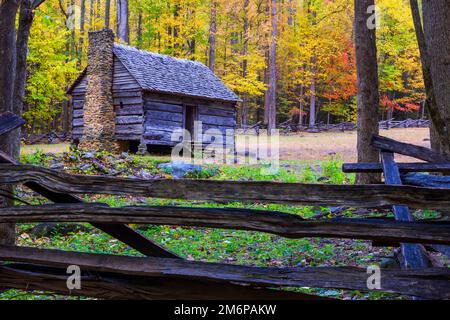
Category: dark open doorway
<point>190,116</point>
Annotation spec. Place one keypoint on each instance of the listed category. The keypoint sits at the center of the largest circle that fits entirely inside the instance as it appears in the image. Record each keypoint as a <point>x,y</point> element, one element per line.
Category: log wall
<point>127,95</point>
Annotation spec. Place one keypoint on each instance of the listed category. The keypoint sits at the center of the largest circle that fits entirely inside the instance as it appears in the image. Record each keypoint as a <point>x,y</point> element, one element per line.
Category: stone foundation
<point>99,116</point>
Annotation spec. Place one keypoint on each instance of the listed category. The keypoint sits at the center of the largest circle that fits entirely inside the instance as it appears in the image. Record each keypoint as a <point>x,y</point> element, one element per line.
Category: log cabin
<point>128,97</point>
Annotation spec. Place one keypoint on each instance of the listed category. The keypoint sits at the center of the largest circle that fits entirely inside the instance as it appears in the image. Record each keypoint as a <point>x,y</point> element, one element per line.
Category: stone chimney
<point>99,116</point>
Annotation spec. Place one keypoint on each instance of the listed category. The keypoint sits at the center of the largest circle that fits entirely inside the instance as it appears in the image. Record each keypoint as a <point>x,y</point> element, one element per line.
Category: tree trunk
<point>81,39</point>
<point>312,107</point>
<point>438,127</point>
<point>123,31</point>
<point>367,85</point>
<point>436,23</point>
<point>8,142</point>
<point>272,110</point>
<point>212,35</point>
<point>139,31</point>
<point>244,117</point>
<point>107,13</point>
<point>266,70</point>
<point>91,14</point>
<point>26,16</point>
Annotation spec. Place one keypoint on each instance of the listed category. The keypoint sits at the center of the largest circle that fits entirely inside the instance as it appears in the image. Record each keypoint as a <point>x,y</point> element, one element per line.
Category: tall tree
<point>107,13</point>
<point>26,16</point>
<point>123,29</point>
<point>272,95</point>
<point>436,23</point>
<point>82,35</point>
<point>212,35</point>
<point>368,99</point>
<point>245,62</point>
<point>312,89</point>
<point>8,11</point>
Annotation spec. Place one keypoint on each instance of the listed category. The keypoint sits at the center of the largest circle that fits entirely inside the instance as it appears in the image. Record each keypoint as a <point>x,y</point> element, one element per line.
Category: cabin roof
<point>160,73</point>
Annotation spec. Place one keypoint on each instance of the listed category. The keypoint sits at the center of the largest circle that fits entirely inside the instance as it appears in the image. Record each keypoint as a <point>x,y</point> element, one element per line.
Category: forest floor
<point>303,146</point>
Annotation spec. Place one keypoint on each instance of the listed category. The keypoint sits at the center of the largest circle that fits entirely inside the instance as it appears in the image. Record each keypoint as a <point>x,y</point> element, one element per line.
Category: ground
<point>307,158</point>
<point>319,146</point>
<point>306,146</point>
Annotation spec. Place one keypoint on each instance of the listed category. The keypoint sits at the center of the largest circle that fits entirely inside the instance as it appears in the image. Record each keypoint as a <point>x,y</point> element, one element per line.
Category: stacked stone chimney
<point>99,116</point>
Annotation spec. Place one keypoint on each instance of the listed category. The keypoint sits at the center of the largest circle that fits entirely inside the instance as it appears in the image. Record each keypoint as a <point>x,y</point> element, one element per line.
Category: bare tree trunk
<point>107,13</point>
<point>91,14</point>
<point>244,116</point>
<point>438,127</point>
<point>81,40</point>
<point>273,69</point>
<point>266,70</point>
<point>26,16</point>
<point>8,11</point>
<point>436,23</point>
<point>139,30</point>
<point>312,106</point>
<point>123,30</point>
<point>367,84</point>
<point>300,116</point>
<point>212,35</point>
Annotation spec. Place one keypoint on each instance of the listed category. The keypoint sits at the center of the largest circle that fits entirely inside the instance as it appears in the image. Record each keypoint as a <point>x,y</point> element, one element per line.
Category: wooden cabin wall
<point>220,117</point>
<point>128,104</point>
<point>165,113</point>
<point>127,96</point>
<point>78,98</point>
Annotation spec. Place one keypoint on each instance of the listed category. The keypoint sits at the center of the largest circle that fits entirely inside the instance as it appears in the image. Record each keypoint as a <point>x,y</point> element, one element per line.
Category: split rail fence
<point>162,274</point>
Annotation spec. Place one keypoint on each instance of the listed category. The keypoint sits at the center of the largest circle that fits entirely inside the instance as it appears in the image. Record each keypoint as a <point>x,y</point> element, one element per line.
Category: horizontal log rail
<point>408,149</point>
<point>432,283</point>
<point>230,191</point>
<point>9,122</point>
<point>403,167</point>
<point>283,224</point>
<point>124,287</point>
<point>426,180</point>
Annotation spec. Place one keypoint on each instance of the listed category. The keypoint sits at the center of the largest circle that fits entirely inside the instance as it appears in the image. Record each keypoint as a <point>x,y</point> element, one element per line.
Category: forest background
<point>303,48</point>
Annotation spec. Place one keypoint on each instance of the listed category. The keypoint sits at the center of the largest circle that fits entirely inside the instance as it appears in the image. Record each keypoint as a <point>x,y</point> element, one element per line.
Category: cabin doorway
<point>190,116</point>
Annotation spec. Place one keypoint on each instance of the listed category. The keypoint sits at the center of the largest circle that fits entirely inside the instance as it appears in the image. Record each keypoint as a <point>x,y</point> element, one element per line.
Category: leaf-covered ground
<point>205,244</point>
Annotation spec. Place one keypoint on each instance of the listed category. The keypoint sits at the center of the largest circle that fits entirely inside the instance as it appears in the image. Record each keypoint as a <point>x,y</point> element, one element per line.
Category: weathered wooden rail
<point>229,191</point>
<point>282,224</point>
<point>164,275</point>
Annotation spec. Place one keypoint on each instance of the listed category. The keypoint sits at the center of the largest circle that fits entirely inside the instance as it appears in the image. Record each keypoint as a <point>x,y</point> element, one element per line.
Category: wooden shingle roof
<point>161,73</point>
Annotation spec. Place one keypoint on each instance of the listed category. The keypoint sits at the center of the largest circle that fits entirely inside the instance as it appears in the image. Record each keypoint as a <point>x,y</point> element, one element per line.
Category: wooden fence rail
<point>105,285</point>
<point>230,191</point>
<point>431,283</point>
<point>283,224</point>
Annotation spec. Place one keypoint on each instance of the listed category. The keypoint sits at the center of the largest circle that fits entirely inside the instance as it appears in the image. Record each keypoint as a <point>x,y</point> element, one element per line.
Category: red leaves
<point>401,106</point>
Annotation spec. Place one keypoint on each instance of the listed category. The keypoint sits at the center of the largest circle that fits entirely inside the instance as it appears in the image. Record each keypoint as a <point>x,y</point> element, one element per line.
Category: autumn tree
<point>271,101</point>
